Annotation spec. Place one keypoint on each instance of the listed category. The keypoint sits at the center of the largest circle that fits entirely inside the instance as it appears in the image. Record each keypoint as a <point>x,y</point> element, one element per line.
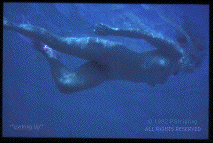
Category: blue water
<point>33,107</point>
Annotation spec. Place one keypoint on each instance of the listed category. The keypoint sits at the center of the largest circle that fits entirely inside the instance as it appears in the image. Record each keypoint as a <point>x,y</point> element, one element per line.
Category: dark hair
<point>182,39</point>
<point>193,61</point>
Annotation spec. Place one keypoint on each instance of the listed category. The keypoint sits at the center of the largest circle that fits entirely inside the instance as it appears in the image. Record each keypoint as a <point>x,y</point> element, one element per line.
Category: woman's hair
<point>182,39</point>
<point>194,46</point>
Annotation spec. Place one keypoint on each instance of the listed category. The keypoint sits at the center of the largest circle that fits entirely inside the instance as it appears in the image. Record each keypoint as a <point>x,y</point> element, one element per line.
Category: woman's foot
<point>45,49</point>
<point>50,52</point>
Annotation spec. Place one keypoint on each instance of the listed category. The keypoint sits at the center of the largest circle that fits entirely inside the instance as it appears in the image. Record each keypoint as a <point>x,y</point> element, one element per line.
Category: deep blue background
<point>114,109</point>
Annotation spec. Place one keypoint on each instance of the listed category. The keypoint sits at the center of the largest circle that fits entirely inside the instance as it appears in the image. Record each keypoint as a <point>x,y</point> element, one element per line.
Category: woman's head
<point>182,39</point>
<point>191,61</point>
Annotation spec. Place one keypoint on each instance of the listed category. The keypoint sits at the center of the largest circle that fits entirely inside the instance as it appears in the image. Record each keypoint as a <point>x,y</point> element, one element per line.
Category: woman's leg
<point>88,48</point>
<point>86,76</point>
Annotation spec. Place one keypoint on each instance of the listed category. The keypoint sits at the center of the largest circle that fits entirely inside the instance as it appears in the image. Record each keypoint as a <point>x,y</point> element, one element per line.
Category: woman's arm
<point>165,46</point>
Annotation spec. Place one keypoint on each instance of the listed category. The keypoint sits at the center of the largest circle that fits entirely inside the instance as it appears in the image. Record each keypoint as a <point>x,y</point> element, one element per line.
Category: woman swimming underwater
<point>110,60</point>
